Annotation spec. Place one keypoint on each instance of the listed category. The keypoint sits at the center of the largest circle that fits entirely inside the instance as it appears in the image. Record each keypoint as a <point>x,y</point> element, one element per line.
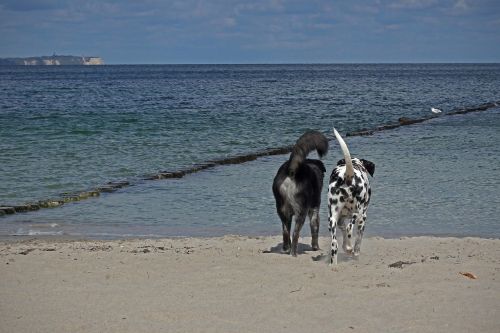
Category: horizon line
<point>307,63</point>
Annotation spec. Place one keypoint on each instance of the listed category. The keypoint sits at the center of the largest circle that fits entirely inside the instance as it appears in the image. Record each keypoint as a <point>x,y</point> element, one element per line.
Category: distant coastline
<point>54,60</point>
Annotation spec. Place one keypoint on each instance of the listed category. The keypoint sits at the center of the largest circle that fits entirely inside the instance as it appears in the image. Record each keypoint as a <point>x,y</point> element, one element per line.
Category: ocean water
<point>67,129</point>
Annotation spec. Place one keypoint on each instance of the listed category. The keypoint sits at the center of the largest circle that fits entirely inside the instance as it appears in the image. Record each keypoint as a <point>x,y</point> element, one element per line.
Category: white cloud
<point>260,6</point>
<point>461,6</point>
<point>224,22</point>
<point>411,4</point>
<point>392,27</point>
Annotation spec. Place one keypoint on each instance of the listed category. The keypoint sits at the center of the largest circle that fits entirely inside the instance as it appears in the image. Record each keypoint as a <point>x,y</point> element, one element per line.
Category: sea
<point>68,129</point>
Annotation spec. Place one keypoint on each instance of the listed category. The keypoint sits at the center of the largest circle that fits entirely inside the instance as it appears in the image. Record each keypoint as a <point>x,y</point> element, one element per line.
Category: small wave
<point>84,132</point>
<point>33,232</point>
<point>129,121</point>
<point>43,233</point>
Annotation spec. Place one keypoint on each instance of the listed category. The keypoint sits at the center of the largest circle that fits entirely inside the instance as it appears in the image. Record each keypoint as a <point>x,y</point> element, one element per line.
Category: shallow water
<point>436,178</point>
<point>68,129</point>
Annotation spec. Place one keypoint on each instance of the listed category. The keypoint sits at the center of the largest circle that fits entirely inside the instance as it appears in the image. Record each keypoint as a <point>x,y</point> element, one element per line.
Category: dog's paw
<point>349,251</point>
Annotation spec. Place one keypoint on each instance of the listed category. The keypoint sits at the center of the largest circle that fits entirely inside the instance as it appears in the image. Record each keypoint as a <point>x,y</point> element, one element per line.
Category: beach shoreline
<point>245,284</point>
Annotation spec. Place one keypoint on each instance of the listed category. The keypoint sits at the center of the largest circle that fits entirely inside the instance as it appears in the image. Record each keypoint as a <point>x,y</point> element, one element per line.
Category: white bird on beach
<point>434,110</point>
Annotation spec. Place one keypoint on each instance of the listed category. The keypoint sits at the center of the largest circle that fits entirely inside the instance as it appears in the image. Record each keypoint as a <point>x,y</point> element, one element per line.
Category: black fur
<point>297,189</point>
<point>369,166</point>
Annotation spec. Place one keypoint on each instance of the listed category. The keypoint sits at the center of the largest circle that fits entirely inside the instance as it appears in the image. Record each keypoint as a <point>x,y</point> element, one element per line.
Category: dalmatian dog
<point>297,189</point>
<point>348,198</point>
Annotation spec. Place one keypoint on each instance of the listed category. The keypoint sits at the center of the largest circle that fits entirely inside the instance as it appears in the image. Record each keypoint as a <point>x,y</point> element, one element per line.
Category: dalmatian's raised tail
<point>349,172</point>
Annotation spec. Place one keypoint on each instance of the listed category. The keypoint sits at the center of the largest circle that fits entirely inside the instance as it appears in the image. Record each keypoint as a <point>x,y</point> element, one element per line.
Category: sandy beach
<point>244,284</point>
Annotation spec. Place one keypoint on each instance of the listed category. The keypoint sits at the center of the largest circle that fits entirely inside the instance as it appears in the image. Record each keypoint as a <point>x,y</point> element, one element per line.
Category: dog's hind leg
<point>347,244</point>
<point>361,229</point>
<point>342,226</point>
<point>286,223</point>
<point>334,216</point>
<point>299,222</point>
<point>314,221</point>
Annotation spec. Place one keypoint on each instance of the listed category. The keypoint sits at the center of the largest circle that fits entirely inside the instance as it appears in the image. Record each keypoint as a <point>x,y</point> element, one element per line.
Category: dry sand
<point>242,284</point>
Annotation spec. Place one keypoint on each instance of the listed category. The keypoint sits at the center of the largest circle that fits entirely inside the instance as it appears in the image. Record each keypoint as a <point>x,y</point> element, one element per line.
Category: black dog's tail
<point>309,141</point>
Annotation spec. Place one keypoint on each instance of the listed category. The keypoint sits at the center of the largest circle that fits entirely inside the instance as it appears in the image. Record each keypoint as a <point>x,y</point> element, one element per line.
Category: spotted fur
<point>349,194</point>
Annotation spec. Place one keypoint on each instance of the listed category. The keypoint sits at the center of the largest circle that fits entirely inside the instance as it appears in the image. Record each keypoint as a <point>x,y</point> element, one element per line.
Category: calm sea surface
<point>67,129</point>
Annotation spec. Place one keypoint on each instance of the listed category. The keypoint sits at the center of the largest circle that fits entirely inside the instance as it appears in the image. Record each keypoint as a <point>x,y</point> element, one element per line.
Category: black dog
<point>297,189</point>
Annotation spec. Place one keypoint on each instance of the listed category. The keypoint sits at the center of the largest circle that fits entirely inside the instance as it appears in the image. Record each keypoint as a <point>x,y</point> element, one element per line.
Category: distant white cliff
<point>54,60</point>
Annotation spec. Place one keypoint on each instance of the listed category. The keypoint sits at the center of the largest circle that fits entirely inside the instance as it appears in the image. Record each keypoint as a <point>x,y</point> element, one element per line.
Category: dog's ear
<point>369,166</point>
<point>341,162</point>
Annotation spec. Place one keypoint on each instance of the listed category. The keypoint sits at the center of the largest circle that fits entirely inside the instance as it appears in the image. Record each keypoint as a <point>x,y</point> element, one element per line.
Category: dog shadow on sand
<point>304,248</point>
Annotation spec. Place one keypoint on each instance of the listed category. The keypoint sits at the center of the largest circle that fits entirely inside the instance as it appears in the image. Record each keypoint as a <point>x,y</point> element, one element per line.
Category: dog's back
<point>297,187</point>
<point>301,191</point>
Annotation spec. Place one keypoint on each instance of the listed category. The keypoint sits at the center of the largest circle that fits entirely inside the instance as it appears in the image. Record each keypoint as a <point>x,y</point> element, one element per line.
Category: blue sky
<point>254,31</point>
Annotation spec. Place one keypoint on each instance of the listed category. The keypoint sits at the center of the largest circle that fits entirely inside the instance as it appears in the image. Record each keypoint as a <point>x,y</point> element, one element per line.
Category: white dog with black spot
<point>348,198</point>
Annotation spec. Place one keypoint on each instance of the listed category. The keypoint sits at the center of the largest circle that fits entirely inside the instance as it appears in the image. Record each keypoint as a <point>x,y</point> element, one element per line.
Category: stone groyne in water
<point>116,185</point>
<point>404,121</point>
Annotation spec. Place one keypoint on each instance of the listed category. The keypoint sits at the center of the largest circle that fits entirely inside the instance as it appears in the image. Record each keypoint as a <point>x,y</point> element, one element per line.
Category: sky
<point>253,31</point>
